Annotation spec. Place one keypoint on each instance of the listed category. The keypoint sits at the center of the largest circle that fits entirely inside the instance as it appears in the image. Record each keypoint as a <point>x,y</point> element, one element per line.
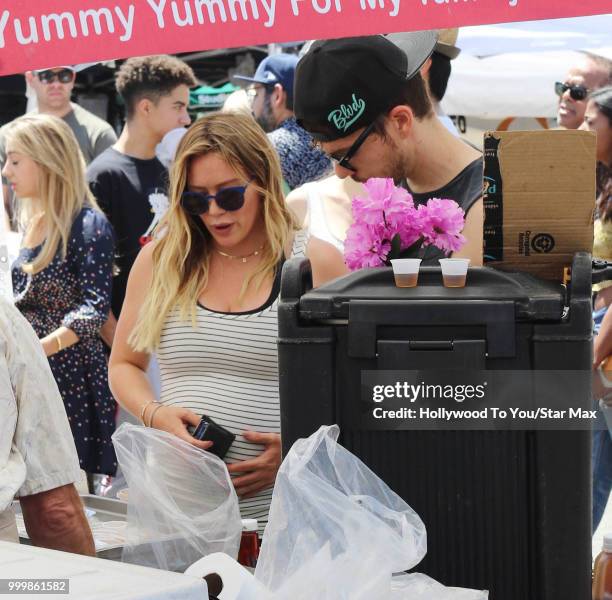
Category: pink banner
<point>46,33</point>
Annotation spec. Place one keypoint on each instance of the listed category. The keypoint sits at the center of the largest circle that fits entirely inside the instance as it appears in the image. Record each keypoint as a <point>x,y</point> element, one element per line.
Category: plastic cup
<point>454,271</point>
<point>406,271</point>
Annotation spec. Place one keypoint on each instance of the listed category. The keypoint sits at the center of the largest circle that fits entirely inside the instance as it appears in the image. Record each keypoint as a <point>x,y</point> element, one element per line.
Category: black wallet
<point>209,431</point>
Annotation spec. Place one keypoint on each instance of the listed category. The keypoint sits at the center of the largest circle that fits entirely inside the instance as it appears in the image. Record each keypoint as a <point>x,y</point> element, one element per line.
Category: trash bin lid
<point>534,299</point>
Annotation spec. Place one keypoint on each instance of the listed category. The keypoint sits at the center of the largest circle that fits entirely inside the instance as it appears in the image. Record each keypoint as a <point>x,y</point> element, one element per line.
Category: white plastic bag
<point>335,529</point>
<point>416,586</point>
<point>181,505</point>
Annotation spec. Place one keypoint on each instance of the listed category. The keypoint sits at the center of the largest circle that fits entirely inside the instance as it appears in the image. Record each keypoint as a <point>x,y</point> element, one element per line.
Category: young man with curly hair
<point>128,180</point>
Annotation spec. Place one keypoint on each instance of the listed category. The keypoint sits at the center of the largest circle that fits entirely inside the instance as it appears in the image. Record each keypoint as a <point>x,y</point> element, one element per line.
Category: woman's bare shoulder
<point>143,265</point>
<point>297,202</point>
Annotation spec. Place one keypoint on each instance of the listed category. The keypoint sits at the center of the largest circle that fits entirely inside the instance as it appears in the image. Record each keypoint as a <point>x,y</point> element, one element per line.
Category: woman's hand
<point>175,420</point>
<point>259,473</point>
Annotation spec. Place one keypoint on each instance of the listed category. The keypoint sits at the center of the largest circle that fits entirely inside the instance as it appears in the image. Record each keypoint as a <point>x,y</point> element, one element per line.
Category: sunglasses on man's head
<point>229,198</point>
<point>345,161</point>
<point>577,92</point>
<point>49,76</point>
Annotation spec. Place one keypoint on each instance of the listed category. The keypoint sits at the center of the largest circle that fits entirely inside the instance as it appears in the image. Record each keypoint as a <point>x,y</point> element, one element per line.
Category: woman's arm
<point>107,331</point>
<point>473,232</point>
<point>127,368</point>
<point>58,340</point>
<point>326,261</point>
<point>91,255</point>
<point>602,346</point>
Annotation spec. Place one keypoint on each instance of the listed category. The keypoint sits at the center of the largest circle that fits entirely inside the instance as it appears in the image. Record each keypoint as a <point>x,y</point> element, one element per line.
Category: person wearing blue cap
<point>271,97</point>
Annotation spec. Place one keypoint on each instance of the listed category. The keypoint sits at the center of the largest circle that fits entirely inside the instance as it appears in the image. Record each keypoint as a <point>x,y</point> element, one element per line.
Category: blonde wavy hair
<point>62,187</point>
<point>181,257</point>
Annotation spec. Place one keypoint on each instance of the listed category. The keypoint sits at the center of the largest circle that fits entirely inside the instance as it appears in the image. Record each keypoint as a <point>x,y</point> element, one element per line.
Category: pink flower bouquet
<point>387,225</point>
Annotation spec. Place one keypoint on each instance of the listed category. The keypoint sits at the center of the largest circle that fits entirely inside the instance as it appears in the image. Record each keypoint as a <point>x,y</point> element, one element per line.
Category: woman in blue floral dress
<point>62,278</point>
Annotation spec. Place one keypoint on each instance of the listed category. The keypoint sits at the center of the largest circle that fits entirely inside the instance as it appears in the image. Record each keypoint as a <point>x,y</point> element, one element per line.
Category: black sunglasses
<point>49,76</point>
<point>577,92</point>
<point>229,198</point>
<point>345,161</point>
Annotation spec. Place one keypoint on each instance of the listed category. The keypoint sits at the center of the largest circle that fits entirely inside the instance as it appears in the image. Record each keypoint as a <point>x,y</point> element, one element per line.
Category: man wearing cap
<point>372,115</point>
<point>271,96</point>
<point>437,70</point>
<point>53,89</point>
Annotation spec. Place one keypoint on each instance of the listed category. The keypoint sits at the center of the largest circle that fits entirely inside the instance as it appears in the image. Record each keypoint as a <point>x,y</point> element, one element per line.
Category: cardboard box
<point>539,199</point>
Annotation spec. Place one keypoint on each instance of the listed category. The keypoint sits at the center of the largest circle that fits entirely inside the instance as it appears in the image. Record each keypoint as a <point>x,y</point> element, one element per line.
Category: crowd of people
<point>129,272</point>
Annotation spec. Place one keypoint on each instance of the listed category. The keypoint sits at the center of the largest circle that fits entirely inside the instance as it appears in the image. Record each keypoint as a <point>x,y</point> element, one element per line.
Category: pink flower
<point>365,246</point>
<point>386,211</point>
<point>384,203</point>
<point>442,223</point>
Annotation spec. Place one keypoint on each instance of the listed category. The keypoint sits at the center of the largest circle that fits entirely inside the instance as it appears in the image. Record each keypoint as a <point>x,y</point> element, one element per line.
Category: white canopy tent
<point>509,70</point>
<point>579,33</point>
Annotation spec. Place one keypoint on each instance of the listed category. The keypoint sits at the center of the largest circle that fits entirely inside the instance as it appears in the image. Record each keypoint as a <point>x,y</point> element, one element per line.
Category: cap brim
<point>416,45</point>
<point>254,80</point>
<point>244,78</point>
<point>71,67</point>
<point>76,68</point>
<point>447,50</point>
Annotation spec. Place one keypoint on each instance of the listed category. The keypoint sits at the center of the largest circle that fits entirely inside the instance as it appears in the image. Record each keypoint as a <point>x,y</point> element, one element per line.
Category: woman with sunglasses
<point>598,118</point>
<point>62,277</point>
<point>204,297</point>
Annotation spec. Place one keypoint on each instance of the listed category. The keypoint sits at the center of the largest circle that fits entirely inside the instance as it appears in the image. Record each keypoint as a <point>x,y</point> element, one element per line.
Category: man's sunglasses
<point>229,198</point>
<point>49,76</point>
<point>254,89</point>
<point>577,92</point>
<point>345,161</point>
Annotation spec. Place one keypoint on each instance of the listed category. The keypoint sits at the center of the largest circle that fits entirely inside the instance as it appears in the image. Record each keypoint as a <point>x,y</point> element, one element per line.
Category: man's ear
<point>29,77</point>
<point>401,119</point>
<point>143,107</point>
<point>278,97</point>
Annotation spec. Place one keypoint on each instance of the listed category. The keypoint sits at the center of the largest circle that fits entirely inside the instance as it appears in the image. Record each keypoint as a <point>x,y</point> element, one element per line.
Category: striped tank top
<point>227,367</point>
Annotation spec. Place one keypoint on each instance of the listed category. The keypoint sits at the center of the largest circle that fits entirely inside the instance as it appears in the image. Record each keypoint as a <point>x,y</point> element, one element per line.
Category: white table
<point>95,578</point>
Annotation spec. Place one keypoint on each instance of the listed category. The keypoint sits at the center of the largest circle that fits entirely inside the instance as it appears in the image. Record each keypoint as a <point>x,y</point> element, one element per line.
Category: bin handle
<point>366,315</point>
<point>296,278</point>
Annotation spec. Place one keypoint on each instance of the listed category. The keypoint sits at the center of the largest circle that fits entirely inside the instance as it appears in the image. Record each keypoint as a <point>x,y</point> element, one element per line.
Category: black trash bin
<point>507,511</point>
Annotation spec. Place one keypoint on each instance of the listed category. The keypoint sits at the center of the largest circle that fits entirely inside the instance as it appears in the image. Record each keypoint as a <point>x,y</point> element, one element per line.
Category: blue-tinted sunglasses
<point>229,198</point>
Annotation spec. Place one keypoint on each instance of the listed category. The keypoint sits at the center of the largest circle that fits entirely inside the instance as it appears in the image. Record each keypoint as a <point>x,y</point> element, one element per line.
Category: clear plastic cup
<point>406,271</point>
<point>454,271</point>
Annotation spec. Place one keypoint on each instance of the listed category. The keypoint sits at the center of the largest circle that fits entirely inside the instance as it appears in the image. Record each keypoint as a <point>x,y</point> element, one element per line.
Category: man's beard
<point>392,165</point>
<point>266,120</point>
<point>396,165</point>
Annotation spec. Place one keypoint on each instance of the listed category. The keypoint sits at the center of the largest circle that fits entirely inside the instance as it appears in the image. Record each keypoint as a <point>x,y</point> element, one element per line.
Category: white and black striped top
<point>227,367</point>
